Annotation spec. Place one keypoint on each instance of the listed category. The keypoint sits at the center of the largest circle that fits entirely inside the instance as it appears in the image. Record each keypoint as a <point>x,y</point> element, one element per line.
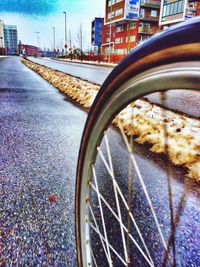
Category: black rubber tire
<point>179,43</point>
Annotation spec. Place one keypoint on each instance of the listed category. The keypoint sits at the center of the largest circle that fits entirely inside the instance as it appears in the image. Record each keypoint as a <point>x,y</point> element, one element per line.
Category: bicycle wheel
<point>113,227</point>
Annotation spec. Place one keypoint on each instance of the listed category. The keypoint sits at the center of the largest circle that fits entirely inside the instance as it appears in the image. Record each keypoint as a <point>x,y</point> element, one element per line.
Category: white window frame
<point>119,11</point>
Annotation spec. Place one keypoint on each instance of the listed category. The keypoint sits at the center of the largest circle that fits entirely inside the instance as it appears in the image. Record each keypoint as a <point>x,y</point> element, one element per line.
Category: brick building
<point>28,50</point>
<point>132,21</point>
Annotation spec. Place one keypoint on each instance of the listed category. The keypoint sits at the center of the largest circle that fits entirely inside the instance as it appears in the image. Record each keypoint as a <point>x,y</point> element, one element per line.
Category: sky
<point>41,16</point>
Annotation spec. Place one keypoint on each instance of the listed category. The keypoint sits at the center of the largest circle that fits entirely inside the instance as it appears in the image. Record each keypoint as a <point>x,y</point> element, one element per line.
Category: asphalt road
<point>39,141</point>
<point>95,74</point>
<point>187,102</point>
<point>40,136</point>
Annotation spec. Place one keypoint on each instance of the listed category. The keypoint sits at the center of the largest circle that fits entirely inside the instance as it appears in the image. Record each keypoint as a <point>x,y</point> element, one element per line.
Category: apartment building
<point>148,19</point>
<point>1,35</point>
<point>10,39</point>
<point>173,11</point>
<point>96,34</point>
<point>132,21</point>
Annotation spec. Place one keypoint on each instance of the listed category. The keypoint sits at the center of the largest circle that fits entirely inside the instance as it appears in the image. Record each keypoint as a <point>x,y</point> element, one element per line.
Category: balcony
<point>148,18</point>
<point>150,3</point>
<point>147,30</point>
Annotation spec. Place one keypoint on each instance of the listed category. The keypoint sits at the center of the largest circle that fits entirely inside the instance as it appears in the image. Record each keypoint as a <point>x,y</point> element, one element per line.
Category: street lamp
<point>1,45</point>
<point>7,48</point>
<point>54,38</point>
<point>38,44</point>
<point>64,12</point>
<point>110,31</point>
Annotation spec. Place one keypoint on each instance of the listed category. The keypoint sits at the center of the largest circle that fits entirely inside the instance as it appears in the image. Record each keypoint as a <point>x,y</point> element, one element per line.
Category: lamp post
<point>1,45</point>
<point>54,39</point>
<point>38,39</point>
<point>65,13</point>
<point>110,36</point>
<point>7,48</point>
<point>38,42</point>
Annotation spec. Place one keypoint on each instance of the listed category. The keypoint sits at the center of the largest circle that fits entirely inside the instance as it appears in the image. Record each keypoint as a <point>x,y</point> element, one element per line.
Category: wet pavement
<point>40,136</point>
<point>95,74</point>
<point>176,100</point>
<point>39,141</point>
<point>154,169</point>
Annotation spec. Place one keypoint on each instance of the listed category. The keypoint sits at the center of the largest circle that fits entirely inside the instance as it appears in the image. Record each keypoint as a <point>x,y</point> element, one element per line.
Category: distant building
<point>2,46</point>
<point>11,39</point>
<point>96,34</point>
<point>1,35</point>
<point>173,11</point>
<point>132,21</point>
<point>28,50</point>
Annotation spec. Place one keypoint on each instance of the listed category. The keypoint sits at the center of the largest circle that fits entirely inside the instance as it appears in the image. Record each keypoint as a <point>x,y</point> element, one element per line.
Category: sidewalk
<point>95,63</point>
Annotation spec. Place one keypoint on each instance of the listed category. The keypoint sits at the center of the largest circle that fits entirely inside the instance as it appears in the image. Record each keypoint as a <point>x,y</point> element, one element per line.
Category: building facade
<point>11,39</point>
<point>175,11</point>
<point>1,34</point>
<point>127,23</point>
<point>28,50</point>
<point>148,19</point>
<point>96,34</point>
<point>2,47</point>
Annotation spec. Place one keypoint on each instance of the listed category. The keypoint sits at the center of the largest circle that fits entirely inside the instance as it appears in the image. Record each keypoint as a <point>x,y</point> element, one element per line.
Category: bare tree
<point>80,40</point>
<point>60,44</point>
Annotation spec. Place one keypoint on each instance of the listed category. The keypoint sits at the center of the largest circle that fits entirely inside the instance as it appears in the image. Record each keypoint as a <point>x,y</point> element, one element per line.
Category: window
<point>119,29</point>
<point>132,25</point>
<point>119,12</point>
<point>119,51</point>
<point>142,12</point>
<point>131,38</point>
<point>111,15</point>
<point>118,40</point>
<point>173,8</point>
<point>117,1</point>
<point>107,40</point>
<point>180,6</point>
<point>153,13</point>
<point>143,38</point>
<point>111,1</point>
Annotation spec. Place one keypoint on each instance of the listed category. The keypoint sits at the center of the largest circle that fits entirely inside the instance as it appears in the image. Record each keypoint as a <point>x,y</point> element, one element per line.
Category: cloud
<point>30,7</point>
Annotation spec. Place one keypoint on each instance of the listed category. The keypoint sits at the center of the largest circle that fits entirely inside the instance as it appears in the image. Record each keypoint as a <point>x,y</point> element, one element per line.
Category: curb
<point>109,65</point>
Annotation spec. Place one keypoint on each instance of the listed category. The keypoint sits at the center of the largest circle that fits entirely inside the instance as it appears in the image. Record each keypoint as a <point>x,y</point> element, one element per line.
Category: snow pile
<point>79,90</point>
<point>170,133</point>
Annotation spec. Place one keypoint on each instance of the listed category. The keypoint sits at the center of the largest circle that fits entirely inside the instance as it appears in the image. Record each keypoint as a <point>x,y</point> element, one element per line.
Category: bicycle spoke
<point>116,198</point>
<point>93,258</point>
<point>176,221</point>
<point>102,217</point>
<point>143,186</point>
<point>127,205</point>
<point>94,228</point>
<point>124,201</point>
<point>124,227</point>
<point>169,181</point>
<point>93,217</point>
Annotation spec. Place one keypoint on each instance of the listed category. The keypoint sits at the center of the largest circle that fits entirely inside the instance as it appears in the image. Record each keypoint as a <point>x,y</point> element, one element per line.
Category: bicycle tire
<point>171,53</point>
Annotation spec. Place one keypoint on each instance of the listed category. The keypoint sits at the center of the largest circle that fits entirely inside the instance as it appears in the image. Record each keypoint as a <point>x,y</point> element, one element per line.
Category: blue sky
<point>33,16</point>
